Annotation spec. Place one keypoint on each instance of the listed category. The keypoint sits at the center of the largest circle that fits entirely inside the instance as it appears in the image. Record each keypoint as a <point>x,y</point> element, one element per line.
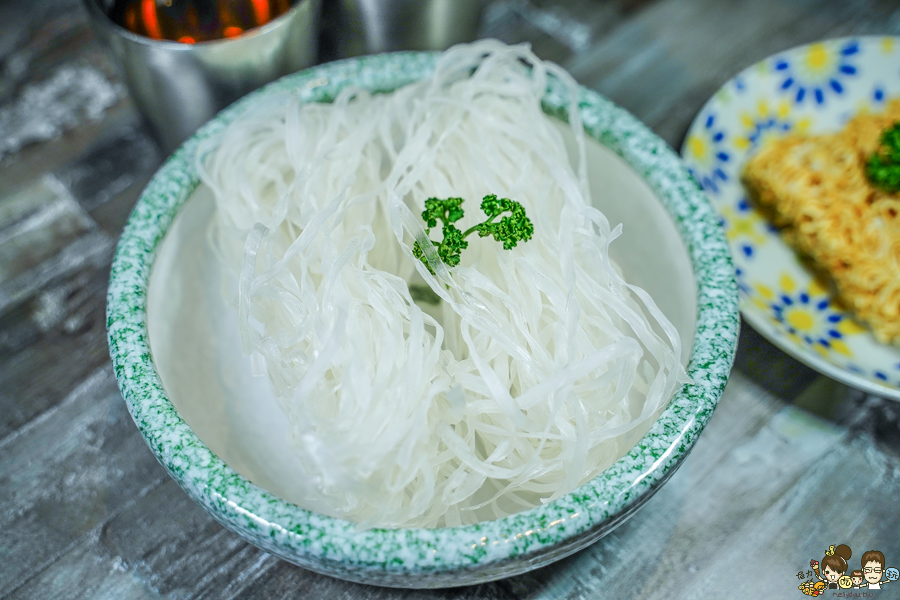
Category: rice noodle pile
<point>538,367</point>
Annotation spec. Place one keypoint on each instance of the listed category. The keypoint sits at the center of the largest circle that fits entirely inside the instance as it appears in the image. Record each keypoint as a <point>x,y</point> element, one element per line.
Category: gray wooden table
<point>790,463</point>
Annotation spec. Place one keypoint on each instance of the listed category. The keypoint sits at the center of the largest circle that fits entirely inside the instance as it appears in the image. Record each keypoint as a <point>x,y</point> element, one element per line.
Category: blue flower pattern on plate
<point>709,150</point>
<point>818,71</point>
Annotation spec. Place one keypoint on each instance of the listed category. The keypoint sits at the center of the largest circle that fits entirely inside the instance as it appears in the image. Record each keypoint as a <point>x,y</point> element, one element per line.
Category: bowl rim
<point>335,546</point>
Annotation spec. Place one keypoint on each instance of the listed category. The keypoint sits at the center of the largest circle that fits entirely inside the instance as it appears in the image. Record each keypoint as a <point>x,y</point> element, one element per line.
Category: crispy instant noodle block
<point>816,190</point>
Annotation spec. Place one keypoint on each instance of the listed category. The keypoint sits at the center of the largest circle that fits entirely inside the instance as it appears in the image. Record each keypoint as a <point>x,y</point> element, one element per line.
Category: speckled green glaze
<point>440,557</point>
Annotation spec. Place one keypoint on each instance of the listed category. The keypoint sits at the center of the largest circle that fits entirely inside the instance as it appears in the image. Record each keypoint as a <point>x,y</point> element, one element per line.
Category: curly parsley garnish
<point>883,168</point>
<point>511,229</point>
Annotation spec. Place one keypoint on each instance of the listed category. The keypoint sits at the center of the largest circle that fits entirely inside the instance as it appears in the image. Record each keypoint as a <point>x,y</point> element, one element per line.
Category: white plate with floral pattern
<point>814,88</point>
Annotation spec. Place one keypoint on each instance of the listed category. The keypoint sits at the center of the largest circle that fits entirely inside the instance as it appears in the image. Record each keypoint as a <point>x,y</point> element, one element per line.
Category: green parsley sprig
<point>511,229</point>
<point>883,168</point>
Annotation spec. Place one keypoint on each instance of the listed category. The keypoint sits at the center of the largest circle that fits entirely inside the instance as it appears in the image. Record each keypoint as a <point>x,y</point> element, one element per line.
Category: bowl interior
<point>196,349</point>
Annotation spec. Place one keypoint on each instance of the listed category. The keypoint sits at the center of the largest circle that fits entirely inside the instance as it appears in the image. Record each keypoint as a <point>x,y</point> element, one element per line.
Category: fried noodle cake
<point>815,188</point>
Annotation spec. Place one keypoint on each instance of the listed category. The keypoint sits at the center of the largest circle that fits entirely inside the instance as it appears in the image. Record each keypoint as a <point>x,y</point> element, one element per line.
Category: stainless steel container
<point>178,87</point>
<point>370,26</point>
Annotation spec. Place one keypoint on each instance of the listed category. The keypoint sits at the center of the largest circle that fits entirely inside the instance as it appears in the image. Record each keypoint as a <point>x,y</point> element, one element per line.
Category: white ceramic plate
<point>814,88</point>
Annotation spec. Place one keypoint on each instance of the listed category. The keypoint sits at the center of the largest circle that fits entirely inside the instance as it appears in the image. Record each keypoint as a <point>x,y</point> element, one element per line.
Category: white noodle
<point>539,367</point>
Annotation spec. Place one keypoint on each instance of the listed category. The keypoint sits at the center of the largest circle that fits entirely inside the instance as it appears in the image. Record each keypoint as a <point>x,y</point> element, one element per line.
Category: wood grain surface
<point>790,463</point>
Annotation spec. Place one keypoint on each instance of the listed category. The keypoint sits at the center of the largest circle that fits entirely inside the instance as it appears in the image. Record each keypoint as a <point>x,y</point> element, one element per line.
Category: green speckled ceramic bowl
<point>451,556</point>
